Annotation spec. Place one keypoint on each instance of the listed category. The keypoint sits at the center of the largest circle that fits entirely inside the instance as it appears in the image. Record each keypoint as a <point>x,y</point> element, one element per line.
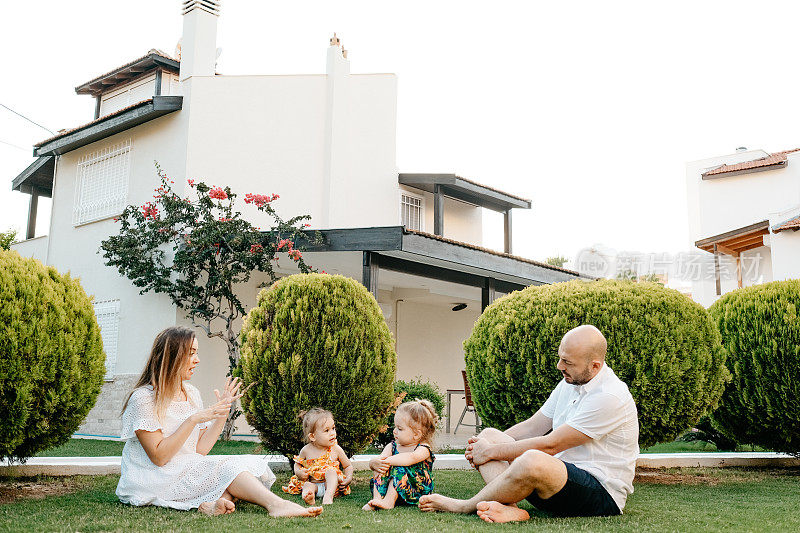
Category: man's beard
<point>582,378</point>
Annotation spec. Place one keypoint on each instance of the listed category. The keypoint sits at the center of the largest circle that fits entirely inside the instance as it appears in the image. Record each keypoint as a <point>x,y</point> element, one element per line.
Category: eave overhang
<point>466,190</point>
<point>101,128</point>
<point>736,241</point>
<point>130,71</point>
<point>37,178</point>
<point>464,263</point>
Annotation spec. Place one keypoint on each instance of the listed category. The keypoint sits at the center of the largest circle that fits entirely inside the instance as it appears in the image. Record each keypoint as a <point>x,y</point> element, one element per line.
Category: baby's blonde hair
<point>311,420</point>
<point>423,415</point>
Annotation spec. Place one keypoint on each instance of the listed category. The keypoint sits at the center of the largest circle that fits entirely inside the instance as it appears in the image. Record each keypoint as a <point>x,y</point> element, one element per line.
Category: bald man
<point>583,467</point>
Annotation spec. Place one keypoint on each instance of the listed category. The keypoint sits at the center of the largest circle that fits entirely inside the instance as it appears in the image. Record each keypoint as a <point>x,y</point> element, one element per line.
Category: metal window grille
<point>102,183</point>
<point>107,313</point>
<point>411,212</point>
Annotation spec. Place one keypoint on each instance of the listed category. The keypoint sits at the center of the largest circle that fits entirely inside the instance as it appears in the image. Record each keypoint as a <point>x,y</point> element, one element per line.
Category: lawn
<point>665,500</point>
<point>100,448</point>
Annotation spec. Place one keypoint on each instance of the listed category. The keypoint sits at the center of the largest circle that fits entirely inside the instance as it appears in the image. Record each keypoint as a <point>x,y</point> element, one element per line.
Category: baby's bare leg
<point>331,484</point>
<point>388,501</point>
<point>308,492</point>
<point>375,496</point>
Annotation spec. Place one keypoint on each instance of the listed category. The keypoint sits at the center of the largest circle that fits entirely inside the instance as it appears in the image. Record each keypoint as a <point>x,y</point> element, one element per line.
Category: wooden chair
<point>468,407</point>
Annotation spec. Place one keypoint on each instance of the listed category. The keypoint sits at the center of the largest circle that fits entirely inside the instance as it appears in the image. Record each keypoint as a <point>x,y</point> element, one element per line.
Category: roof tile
<point>773,159</point>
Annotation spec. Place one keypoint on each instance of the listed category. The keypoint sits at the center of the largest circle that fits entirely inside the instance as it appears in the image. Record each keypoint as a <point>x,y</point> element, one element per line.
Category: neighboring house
<point>326,144</point>
<point>744,210</point>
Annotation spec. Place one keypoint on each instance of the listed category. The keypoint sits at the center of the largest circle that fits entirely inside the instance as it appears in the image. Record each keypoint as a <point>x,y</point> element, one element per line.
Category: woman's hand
<point>218,411</point>
<point>231,390</point>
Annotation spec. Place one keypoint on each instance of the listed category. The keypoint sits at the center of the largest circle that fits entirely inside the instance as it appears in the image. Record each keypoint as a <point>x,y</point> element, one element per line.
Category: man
<point>583,467</point>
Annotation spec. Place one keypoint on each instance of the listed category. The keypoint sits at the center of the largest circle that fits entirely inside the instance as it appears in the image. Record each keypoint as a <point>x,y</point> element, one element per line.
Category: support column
<point>97,107</point>
<point>487,293</point>
<point>507,231</point>
<point>369,276</point>
<point>438,211</point>
<point>716,271</point>
<point>159,76</point>
<point>32,208</point>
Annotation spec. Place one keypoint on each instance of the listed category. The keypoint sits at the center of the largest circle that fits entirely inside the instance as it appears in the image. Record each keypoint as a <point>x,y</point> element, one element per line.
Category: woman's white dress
<point>188,479</point>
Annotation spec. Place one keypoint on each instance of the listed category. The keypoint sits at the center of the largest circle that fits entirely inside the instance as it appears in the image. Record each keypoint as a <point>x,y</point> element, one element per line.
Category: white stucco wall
<point>727,203</point>
<point>462,221</point>
<point>35,248</point>
<point>74,248</point>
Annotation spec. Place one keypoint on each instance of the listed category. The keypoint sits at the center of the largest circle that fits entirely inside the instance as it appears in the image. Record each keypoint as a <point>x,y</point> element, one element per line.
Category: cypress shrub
<point>413,389</point>
<point>760,327</point>
<point>662,344</point>
<point>316,340</point>
<point>51,359</point>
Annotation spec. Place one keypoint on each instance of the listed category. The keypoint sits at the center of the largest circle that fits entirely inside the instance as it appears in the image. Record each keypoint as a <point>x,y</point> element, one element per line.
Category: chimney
<point>199,41</point>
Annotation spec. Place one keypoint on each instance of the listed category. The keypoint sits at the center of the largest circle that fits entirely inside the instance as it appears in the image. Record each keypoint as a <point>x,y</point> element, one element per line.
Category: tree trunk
<point>233,360</point>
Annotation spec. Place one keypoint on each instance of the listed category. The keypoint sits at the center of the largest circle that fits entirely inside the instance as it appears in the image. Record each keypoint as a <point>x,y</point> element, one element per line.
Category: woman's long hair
<point>163,369</point>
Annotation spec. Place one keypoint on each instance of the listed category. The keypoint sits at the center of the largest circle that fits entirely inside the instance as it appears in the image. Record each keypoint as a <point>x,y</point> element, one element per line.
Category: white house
<point>326,144</point>
<point>744,209</point>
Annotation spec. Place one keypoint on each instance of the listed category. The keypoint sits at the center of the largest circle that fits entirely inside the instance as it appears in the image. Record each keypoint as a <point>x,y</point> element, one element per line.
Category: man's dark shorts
<point>583,495</point>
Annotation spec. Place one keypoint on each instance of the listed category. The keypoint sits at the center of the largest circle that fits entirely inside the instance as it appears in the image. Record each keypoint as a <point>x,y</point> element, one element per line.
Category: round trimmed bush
<point>662,344</point>
<point>51,359</point>
<point>316,340</point>
<point>413,389</point>
<point>760,327</point>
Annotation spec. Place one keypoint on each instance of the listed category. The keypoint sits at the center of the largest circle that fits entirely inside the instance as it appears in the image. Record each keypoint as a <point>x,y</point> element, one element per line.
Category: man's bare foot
<point>437,502</point>
<point>499,513</point>
<point>288,509</point>
<point>380,503</point>
<point>308,497</point>
<point>221,506</point>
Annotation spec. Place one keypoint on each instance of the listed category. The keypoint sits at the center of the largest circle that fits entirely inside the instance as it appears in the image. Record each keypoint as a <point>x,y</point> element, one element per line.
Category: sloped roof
<point>776,160</point>
<point>151,61</point>
<point>791,224</point>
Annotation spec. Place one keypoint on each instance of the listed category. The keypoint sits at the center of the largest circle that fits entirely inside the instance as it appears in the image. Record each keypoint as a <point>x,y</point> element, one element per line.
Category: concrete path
<point>71,466</point>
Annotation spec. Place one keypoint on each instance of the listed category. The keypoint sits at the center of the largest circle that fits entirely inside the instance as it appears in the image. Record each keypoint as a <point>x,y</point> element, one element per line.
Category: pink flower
<point>191,182</point>
<point>223,219</point>
<point>285,243</point>
<point>255,248</point>
<point>295,254</point>
<point>218,193</point>
<point>323,272</point>
<point>260,200</point>
<point>150,211</point>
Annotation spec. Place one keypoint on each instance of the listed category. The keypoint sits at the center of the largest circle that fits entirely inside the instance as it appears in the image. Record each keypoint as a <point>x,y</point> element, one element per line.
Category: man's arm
<point>535,426</point>
<point>560,439</point>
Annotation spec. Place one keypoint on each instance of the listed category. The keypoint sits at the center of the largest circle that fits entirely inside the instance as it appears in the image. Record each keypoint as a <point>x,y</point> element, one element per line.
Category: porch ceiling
<point>431,256</point>
<point>466,190</point>
<point>37,178</point>
<point>736,241</point>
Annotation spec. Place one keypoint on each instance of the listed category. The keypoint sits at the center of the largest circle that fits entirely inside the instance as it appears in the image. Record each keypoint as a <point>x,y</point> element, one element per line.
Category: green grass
<point>99,448</point>
<point>703,500</point>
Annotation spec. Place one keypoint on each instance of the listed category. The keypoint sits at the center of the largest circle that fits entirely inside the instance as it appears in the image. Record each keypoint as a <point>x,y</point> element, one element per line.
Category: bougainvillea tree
<point>198,249</point>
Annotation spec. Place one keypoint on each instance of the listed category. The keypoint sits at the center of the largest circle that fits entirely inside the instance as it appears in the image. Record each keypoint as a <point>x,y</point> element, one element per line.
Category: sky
<point>590,109</point>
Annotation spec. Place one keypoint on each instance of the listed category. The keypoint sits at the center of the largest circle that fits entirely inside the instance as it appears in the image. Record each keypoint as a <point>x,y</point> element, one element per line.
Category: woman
<point>169,433</point>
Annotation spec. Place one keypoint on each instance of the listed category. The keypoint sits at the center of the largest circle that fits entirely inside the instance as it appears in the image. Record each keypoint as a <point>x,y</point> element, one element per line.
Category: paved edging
<point>93,466</point>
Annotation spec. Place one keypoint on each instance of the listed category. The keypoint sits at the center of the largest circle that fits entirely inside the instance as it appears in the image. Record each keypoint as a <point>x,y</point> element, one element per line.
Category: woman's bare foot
<point>288,509</point>
<point>497,512</point>
<point>221,506</point>
<point>381,503</point>
<point>437,502</point>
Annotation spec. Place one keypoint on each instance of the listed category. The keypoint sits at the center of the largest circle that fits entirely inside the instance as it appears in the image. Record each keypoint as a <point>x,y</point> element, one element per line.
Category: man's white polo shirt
<point>602,409</point>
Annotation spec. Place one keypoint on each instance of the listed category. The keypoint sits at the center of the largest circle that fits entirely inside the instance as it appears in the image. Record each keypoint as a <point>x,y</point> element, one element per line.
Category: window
<point>102,183</point>
<point>411,211</point>
<point>107,313</point>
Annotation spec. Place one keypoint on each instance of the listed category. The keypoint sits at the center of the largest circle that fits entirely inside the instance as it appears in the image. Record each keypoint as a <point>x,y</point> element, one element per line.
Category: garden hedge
<point>760,327</point>
<point>661,343</point>
<point>51,356</point>
<point>413,389</point>
<point>316,340</point>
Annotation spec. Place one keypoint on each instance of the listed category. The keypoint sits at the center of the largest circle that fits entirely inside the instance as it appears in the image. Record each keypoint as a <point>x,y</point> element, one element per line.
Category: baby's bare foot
<point>368,506</point>
<point>327,500</point>
<point>308,497</point>
<point>221,506</point>
<point>380,503</point>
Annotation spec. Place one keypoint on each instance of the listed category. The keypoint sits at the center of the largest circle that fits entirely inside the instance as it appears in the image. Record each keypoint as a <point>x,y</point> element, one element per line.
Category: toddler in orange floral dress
<point>322,468</point>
